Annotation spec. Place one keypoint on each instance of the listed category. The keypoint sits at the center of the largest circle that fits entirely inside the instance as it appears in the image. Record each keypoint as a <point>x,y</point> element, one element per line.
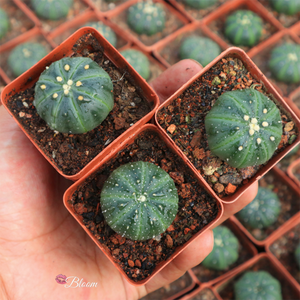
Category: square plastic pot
<point>256,73</point>
<point>119,155</point>
<point>28,79</point>
<point>292,169</point>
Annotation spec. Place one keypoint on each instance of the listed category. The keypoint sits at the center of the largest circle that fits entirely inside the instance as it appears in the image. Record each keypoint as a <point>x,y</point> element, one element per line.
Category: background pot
<point>203,292</point>
<point>292,169</point>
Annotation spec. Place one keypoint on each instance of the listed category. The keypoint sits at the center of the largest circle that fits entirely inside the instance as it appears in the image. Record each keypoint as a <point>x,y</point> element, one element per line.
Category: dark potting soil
<point>71,152</point>
<point>206,294</point>
<point>226,291</point>
<point>289,201</point>
<point>284,249</point>
<point>204,274</point>
<point>183,120</point>
<point>196,209</point>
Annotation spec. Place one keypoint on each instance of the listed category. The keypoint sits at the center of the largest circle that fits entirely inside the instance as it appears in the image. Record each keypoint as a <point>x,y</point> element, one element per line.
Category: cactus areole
<point>243,128</point>
<point>139,200</point>
<point>74,95</point>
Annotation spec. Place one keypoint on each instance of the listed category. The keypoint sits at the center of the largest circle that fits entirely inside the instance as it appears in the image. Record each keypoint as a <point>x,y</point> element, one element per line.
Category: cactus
<point>24,56</point>
<point>51,9</point>
<point>244,128</point>
<point>263,211</point>
<point>201,49</point>
<point>4,23</point>
<point>288,7</point>
<point>139,200</point>
<point>74,95</point>
<point>243,28</point>
<point>297,255</point>
<point>200,4</point>
<point>146,18</point>
<point>106,31</point>
<point>138,61</point>
<point>285,63</point>
<point>255,285</point>
<point>225,251</point>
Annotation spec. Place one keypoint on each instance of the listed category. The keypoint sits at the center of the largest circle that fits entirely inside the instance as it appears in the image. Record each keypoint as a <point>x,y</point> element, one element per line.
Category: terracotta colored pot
<point>208,292</point>
<point>293,99</point>
<point>292,187</point>
<point>295,31</point>
<point>65,49</point>
<point>134,37</point>
<point>256,73</point>
<point>262,261</point>
<point>291,171</point>
<point>128,141</point>
<point>244,243</point>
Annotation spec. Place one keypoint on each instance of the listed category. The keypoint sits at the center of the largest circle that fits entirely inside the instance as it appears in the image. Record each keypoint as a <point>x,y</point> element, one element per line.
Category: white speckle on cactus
<point>55,95</point>
<point>258,140</point>
<point>43,86</point>
<point>59,79</point>
<point>272,138</point>
<point>78,83</point>
<point>66,92</point>
<point>246,118</point>
<point>86,67</point>
<point>80,98</point>
<point>251,132</point>
<point>240,148</point>
<point>70,82</point>
<point>265,110</point>
<point>265,124</point>
<point>67,67</point>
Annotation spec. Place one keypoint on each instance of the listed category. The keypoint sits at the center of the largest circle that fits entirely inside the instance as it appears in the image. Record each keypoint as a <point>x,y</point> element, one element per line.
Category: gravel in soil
<point>289,204</point>
<point>19,22</point>
<point>226,291</point>
<point>104,5</point>
<point>71,152</point>
<point>183,120</point>
<point>284,249</point>
<point>196,209</point>
<point>206,294</point>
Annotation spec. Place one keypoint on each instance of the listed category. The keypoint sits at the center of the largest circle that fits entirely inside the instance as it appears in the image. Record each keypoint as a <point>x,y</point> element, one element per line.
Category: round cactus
<point>106,31</point>
<point>74,95</point>
<point>51,9</point>
<point>24,56</point>
<point>225,251</point>
<point>200,4</point>
<point>285,63</point>
<point>297,255</point>
<point>262,211</point>
<point>243,128</point>
<point>201,49</point>
<point>138,61</point>
<point>288,7</point>
<point>139,200</point>
<point>257,285</point>
<point>4,23</point>
<point>146,18</point>
<point>243,28</point>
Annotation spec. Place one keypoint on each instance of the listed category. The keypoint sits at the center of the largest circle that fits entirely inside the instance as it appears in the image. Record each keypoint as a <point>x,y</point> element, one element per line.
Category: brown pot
<point>262,261</point>
<point>106,163</point>
<point>206,291</point>
<point>256,73</point>
<point>248,247</point>
<point>292,169</point>
<point>291,188</point>
<point>294,101</point>
<point>295,31</point>
<point>65,49</point>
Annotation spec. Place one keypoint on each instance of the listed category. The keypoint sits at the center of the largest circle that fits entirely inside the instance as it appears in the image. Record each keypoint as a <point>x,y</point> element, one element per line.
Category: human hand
<point>39,239</point>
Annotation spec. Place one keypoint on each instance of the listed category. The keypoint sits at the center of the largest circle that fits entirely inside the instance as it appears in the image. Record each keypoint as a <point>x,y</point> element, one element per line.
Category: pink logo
<point>61,279</point>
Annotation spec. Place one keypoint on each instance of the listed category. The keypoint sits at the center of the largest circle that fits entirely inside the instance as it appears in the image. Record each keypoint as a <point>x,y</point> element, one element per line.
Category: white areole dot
<point>78,83</point>
<point>43,86</point>
<point>251,131</point>
<point>86,67</point>
<point>258,140</point>
<point>246,118</point>
<point>67,67</point>
<point>272,138</point>
<point>265,111</point>
<point>80,98</point>
<point>254,121</point>
<point>240,148</point>
<point>142,198</point>
<point>265,124</point>
<point>70,82</point>
<point>55,95</point>
<point>59,79</point>
<point>66,92</point>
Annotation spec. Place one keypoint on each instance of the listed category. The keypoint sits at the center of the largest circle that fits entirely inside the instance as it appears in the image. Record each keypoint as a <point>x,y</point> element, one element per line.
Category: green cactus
<point>138,61</point>
<point>74,95</point>
<point>263,211</point>
<point>24,56</point>
<point>139,200</point>
<point>4,23</point>
<point>200,4</point>
<point>243,128</point>
<point>285,63</point>
<point>244,28</point>
<point>288,7</point>
<point>297,255</point>
<point>106,31</point>
<point>51,9</point>
<point>201,49</point>
<point>146,18</point>
<point>225,251</point>
<point>255,285</point>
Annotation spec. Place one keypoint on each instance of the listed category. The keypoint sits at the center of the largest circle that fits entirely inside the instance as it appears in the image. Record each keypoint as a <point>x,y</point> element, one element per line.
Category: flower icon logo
<point>61,279</point>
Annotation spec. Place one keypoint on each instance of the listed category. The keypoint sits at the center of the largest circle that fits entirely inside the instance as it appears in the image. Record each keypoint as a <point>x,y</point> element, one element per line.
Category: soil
<point>172,24</point>
<point>226,291</point>
<point>19,22</point>
<point>71,152</point>
<point>218,25</point>
<point>285,20</point>
<point>183,120</point>
<point>171,289</point>
<point>204,274</point>
<point>104,6</point>
<point>196,209</point>
<point>206,294</point>
<point>4,55</point>
<point>288,159</point>
<point>262,61</point>
<point>48,25</point>
<point>289,204</point>
<point>284,249</point>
